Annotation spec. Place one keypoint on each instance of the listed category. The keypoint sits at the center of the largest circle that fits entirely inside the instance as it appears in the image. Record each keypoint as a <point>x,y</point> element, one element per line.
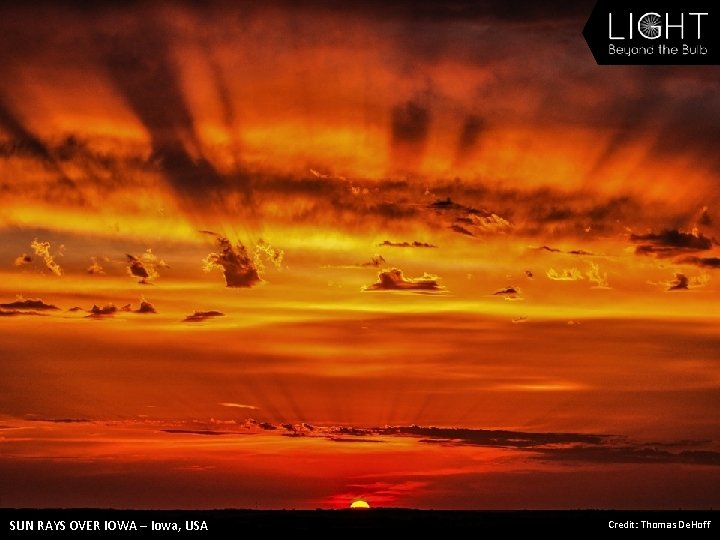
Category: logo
<point>659,32</point>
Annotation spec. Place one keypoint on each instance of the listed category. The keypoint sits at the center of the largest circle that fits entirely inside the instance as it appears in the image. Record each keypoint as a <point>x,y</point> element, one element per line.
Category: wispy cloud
<point>394,280</point>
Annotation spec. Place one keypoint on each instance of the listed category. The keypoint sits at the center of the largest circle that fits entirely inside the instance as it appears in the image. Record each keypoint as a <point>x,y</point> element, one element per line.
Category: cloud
<point>669,242</point>
<point>200,316</point>
<point>42,249</point>
<point>413,244</point>
<point>705,262</point>
<point>239,406</point>
<point>570,252</point>
<point>567,274</point>
<point>393,280</point>
<point>509,293</point>
<point>23,259</point>
<point>145,266</point>
<point>556,446</point>
<point>470,134</point>
<point>595,276</point>
<point>145,307</point>
<point>263,250</point>
<point>446,204</point>
<point>460,229</point>
<point>105,311</point>
<point>376,262</point>
<point>410,126</point>
<point>237,266</point>
<point>15,312</point>
<point>529,274</point>
<point>210,432</point>
<point>28,303</point>
<point>684,283</point>
<point>492,437</point>
<point>680,284</point>
<point>705,219</point>
<point>95,268</point>
<point>490,223</point>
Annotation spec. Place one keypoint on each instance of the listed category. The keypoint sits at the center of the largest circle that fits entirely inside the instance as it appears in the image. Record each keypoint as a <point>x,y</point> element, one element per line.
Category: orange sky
<point>372,221</point>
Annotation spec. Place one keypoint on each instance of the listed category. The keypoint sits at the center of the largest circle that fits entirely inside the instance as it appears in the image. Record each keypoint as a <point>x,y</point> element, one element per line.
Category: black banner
<point>654,32</point>
<point>98,523</point>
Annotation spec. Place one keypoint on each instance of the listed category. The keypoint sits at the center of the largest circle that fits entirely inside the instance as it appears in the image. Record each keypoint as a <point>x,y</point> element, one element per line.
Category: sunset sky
<point>294,255</point>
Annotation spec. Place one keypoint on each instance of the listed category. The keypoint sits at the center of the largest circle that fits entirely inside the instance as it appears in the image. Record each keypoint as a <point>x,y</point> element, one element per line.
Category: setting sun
<point>359,504</point>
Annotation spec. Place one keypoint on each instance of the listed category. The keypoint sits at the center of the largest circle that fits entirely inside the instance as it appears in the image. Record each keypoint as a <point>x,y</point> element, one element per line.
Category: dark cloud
<point>705,219</point>
<point>446,204</point>
<point>144,266</point>
<point>145,307</point>
<point>393,280</point>
<point>472,129</point>
<point>28,303</point>
<point>508,292</point>
<point>61,420</point>
<point>669,242</point>
<point>681,283</point>
<point>15,312</point>
<point>200,316</point>
<point>705,262</point>
<point>137,268</point>
<point>210,432</point>
<point>376,262</point>
<point>140,64</point>
<point>235,262</point>
<point>25,143</point>
<point>409,132</point>
<point>529,274</point>
<point>591,448</point>
<point>413,244</point>
<point>105,311</point>
<point>570,252</point>
<point>491,437</point>
<point>410,124</point>
<point>460,229</point>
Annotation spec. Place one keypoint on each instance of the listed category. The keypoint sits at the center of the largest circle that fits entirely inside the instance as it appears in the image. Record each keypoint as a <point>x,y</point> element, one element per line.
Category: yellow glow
<point>359,504</point>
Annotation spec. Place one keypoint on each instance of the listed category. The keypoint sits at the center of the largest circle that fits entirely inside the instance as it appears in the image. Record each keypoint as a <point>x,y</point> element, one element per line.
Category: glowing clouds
<point>23,259</point>
<point>42,250</point>
<point>238,405</point>
<point>568,274</point>
<point>95,269</point>
<point>593,275</point>
<point>237,266</point>
<point>145,266</point>
<point>394,280</point>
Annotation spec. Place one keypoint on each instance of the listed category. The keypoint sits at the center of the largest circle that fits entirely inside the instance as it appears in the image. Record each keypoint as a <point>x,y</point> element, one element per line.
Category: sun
<point>359,504</point>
